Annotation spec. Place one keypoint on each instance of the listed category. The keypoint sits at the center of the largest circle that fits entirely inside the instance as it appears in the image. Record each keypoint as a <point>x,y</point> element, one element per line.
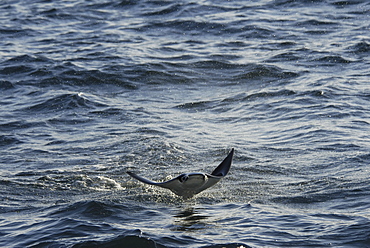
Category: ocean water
<point>92,89</point>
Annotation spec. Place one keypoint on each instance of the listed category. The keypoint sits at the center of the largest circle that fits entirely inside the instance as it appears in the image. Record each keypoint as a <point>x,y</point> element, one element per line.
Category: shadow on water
<point>190,219</point>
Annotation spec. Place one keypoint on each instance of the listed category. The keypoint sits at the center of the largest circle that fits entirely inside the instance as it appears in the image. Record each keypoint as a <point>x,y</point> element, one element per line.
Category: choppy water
<point>91,89</point>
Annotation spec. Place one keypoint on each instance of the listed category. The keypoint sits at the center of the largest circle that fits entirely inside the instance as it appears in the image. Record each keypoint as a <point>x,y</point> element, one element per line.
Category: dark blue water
<point>91,89</point>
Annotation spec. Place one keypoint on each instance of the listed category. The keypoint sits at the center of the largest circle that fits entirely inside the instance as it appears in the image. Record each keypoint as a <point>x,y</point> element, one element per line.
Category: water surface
<point>91,89</point>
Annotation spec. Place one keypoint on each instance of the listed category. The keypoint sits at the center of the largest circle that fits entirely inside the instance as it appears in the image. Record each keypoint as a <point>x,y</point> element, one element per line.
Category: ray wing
<point>168,184</point>
<point>141,179</point>
<point>220,172</point>
<point>224,167</point>
<point>174,185</point>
